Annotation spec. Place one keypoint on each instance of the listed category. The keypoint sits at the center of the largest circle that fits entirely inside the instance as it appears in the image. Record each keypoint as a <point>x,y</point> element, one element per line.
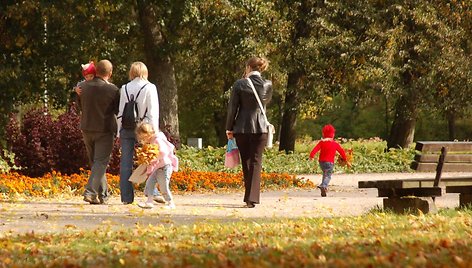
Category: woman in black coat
<point>247,124</point>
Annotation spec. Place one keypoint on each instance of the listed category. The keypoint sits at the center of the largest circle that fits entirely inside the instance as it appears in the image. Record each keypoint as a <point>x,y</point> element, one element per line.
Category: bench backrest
<point>458,158</point>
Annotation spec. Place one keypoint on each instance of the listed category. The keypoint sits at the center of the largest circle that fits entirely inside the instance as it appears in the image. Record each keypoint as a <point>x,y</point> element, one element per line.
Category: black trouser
<point>251,147</point>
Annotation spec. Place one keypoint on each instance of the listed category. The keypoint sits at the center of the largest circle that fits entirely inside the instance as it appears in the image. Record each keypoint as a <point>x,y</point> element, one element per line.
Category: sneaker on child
<point>159,199</point>
<point>170,205</point>
<point>146,205</point>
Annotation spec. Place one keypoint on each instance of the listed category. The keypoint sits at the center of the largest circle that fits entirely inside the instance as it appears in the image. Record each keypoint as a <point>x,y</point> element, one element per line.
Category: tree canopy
<point>410,56</point>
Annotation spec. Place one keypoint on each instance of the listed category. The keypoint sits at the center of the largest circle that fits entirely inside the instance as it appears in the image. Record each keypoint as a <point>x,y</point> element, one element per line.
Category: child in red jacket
<point>327,147</point>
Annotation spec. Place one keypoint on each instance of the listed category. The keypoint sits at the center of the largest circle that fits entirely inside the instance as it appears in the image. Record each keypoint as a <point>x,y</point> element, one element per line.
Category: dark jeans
<point>127,142</point>
<point>99,147</point>
<point>251,148</point>
<point>327,168</point>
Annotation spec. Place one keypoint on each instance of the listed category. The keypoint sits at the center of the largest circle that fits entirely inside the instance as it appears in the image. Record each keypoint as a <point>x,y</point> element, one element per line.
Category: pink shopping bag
<point>232,159</point>
<point>232,154</point>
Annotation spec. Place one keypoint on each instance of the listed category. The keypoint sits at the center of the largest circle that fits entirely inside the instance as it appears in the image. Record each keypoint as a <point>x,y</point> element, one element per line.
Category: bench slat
<point>435,146</point>
<point>387,184</point>
<point>448,167</point>
<point>411,183</point>
<point>418,191</point>
<point>451,157</point>
<point>464,189</point>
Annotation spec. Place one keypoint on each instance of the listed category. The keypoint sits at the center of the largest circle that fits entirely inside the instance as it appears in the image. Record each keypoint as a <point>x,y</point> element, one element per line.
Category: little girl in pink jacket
<point>159,169</point>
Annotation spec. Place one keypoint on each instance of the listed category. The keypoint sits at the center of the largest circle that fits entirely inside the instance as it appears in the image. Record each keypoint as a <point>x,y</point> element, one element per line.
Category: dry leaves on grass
<point>372,240</point>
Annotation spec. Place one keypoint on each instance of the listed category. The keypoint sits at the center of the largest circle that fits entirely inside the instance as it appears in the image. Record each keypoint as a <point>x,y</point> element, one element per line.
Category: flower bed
<point>53,184</point>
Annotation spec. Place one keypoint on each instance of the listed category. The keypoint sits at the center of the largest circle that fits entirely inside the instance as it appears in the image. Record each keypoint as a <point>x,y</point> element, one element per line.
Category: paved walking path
<point>344,199</point>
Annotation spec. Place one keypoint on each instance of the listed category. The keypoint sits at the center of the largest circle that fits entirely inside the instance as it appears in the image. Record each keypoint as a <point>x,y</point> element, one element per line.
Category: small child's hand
<point>349,164</point>
<point>78,90</point>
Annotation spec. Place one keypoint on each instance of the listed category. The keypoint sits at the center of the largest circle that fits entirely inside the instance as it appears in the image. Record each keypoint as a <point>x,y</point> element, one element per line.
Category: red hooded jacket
<point>328,146</point>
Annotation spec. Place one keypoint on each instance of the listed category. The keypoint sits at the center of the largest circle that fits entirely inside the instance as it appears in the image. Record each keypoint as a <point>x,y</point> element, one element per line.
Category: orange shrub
<point>54,183</point>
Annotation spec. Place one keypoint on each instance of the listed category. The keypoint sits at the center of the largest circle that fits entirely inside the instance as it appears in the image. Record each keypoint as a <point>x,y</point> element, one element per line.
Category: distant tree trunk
<point>160,65</point>
<point>387,119</point>
<point>402,132</point>
<point>290,109</point>
<point>404,122</point>
<point>451,124</point>
<point>290,112</point>
<point>220,117</point>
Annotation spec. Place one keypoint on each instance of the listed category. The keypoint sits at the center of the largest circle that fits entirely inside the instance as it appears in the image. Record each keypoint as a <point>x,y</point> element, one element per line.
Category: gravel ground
<point>344,199</point>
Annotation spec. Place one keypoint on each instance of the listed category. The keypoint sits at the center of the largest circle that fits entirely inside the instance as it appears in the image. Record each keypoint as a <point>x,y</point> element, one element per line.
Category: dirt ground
<point>344,199</point>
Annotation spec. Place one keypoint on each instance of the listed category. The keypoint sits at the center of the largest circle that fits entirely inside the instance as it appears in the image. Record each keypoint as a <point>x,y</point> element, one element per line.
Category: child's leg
<point>327,168</point>
<point>150,186</point>
<point>148,191</point>
<point>163,179</point>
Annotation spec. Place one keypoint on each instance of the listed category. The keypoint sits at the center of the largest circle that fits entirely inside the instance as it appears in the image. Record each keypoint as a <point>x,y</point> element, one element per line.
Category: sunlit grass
<point>375,239</point>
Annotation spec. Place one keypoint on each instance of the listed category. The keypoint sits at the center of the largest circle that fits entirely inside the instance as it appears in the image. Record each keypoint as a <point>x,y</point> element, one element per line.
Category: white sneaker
<point>146,205</point>
<point>159,199</point>
<point>170,205</point>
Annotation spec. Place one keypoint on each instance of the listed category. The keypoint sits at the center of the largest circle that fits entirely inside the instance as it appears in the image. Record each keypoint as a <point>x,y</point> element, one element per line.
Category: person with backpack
<point>138,103</point>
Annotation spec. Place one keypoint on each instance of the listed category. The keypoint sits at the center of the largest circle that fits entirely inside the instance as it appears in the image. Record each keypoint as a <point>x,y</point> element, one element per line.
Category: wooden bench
<point>418,194</point>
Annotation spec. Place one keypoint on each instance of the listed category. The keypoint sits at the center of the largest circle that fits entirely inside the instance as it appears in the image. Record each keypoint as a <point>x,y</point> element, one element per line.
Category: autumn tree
<point>44,43</point>
<point>160,25</point>
<point>452,75</point>
<point>323,57</point>
<point>410,34</point>
<point>220,36</point>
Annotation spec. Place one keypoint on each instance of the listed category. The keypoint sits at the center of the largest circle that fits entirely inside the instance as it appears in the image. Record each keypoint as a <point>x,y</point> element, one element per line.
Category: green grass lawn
<point>374,240</point>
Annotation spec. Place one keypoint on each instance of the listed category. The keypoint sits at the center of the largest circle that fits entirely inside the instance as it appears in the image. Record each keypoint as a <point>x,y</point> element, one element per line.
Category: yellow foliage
<point>146,153</point>
<point>349,158</point>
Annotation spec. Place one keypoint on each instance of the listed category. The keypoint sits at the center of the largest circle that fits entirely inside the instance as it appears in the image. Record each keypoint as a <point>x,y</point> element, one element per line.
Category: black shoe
<point>127,203</point>
<point>250,204</point>
<point>92,201</point>
<point>103,201</point>
<point>323,191</point>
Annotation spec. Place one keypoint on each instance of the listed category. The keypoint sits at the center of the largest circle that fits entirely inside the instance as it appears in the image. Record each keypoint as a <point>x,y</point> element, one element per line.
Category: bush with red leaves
<point>33,142</point>
<point>42,144</point>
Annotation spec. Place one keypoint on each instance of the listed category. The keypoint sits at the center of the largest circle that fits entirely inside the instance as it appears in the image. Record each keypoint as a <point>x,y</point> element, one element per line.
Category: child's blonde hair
<point>144,132</point>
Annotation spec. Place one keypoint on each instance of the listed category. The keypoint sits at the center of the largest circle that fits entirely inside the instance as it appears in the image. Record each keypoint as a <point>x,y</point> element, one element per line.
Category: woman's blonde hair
<point>138,69</point>
<point>257,64</point>
<point>144,132</point>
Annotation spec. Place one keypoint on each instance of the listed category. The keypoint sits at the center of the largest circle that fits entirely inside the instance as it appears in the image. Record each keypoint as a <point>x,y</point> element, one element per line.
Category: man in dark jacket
<point>99,102</point>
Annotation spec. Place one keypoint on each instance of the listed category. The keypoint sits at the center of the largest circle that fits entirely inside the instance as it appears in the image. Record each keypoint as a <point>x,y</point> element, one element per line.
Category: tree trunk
<point>387,119</point>
<point>404,122</point>
<point>290,112</point>
<point>219,116</point>
<point>451,124</point>
<point>161,67</point>
<point>220,126</point>
<point>402,132</point>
